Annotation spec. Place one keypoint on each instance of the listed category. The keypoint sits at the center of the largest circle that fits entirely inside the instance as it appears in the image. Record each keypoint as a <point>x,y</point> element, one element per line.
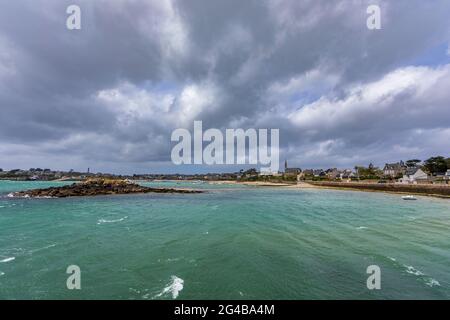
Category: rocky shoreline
<point>96,188</point>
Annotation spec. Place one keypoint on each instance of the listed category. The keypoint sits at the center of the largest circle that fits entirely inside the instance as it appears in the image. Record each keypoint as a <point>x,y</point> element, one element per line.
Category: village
<point>435,170</point>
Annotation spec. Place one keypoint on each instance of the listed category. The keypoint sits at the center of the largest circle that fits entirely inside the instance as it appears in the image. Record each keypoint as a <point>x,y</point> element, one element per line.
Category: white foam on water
<point>43,248</point>
<point>432,282</point>
<point>414,271</point>
<point>2,273</point>
<point>101,221</point>
<point>174,287</point>
<point>392,259</point>
<point>134,290</point>
<point>7,259</point>
<point>146,296</point>
<point>362,228</point>
<point>2,207</point>
<point>12,195</point>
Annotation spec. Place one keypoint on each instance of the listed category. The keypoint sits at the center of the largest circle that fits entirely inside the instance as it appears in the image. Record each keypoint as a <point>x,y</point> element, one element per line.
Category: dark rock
<point>95,188</point>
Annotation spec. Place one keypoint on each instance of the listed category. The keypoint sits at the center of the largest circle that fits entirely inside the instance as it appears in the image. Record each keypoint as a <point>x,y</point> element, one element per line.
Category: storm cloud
<point>109,95</point>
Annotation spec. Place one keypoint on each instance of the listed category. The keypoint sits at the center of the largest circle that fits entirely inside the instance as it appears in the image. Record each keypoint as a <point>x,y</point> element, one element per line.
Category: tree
<point>436,164</point>
<point>251,171</point>
<point>371,172</point>
<point>413,163</point>
<point>357,171</point>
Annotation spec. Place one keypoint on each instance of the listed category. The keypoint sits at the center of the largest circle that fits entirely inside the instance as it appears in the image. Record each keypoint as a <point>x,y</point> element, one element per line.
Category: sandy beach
<point>440,191</point>
<point>254,183</point>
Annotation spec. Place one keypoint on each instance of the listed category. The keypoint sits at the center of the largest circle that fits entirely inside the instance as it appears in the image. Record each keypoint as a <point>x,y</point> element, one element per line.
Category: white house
<point>413,175</point>
<point>447,175</point>
<point>347,174</point>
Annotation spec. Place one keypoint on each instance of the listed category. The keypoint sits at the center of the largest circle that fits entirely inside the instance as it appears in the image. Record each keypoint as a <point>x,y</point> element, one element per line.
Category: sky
<point>109,96</point>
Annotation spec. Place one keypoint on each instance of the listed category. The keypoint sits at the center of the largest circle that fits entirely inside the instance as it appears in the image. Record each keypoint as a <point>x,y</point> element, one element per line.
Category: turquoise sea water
<point>233,242</point>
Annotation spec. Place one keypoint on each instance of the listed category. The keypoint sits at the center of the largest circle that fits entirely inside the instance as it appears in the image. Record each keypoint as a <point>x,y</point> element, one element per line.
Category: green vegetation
<point>369,173</point>
<point>436,164</point>
<point>413,163</point>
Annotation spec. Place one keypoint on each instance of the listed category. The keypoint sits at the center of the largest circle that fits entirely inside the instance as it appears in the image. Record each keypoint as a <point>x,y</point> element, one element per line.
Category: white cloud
<point>165,24</point>
<point>379,101</point>
<point>132,104</point>
<point>178,107</point>
<point>194,99</point>
<point>317,82</point>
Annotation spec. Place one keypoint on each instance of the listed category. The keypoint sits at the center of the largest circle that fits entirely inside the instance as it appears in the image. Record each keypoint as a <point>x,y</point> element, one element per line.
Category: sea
<point>231,242</point>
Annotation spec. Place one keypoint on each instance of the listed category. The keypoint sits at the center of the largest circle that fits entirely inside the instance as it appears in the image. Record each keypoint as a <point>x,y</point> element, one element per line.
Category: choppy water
<point>233,242</point>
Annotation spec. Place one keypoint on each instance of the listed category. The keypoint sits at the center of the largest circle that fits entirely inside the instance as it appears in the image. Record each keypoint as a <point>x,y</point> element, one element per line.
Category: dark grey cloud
<point>109,95</point>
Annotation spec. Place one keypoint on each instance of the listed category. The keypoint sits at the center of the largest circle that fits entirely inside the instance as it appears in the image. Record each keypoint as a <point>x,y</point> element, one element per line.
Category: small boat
<point>409,198</point>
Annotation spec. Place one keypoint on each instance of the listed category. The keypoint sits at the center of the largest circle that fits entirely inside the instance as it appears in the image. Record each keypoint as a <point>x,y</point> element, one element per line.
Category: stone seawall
<point>419,189</point>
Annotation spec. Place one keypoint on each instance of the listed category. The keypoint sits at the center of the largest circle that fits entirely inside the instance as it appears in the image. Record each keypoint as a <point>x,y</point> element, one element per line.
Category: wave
<point>174,288</point>
<point>428,280</point>
<point>362,228</point>
<point>27,196</point>
<point>12,195</point>
<point>101,221</point>
<point>412,270</point>
<point>432,282</point>
<point>8,259</point>
<point>8,206</point>
<point>2,273</point>
<point>43,248</point>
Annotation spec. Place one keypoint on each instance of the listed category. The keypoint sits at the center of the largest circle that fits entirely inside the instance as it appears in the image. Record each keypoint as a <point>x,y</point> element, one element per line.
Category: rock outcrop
<point>95,188</point>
